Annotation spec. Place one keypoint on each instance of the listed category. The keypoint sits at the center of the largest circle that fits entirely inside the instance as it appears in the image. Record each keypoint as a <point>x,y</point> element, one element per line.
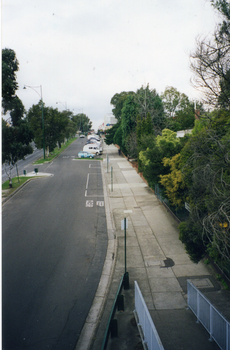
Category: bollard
<point>113,328</point>
<point>120,302</point>
<point>126,280</point>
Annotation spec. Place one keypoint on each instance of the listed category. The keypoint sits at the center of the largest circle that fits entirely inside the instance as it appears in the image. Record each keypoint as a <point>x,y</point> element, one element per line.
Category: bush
<point>191,237</point>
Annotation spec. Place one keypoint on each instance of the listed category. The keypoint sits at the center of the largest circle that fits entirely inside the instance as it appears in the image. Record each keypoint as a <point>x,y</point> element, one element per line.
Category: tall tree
<point>10,66</point>
<point>173,101</point>
<point>206,171</point>
<point>149,101</point>
<point>118,102</point>
<point>128,117</point>
<point>55,124</point>
<point>210,61</point>
<point>109,136</point>
<point>16,133</point>
<point>165,145</point>
<point>180,111</point>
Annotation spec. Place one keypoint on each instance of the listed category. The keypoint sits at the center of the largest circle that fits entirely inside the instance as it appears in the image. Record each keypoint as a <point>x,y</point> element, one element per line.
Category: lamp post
<point>63,104</point>
<point>79,109</point>
<point>43,129</point>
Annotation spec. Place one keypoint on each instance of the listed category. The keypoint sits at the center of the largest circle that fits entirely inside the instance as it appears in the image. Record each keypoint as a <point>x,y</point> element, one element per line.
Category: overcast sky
<point>82,52</point>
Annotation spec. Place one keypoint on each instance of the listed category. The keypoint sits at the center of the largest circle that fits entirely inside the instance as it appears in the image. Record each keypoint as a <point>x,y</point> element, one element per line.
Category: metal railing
<point>112,323</point>
<point>149,336</point>
<point>216,325</point>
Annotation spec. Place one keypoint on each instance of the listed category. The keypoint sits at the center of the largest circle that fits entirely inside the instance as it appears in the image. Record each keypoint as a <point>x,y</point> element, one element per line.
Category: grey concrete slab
<point>131,241</point>
<point>159,284</point>
<point>168,300</point>
<point>190,270</point>
<point>144,231</point>
<point>170,248</point>
<point>152,253</point>
<point>130,202</point>
<point>159,271</point>
<point>124,165</point>
<point>180,259</point>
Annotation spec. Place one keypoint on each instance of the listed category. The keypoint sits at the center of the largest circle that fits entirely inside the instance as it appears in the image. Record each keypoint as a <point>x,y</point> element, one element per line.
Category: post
<point>43,130</point>
<point>17,171</point>
<point>43,127</point>
<point>107,157</point>
<point>125,241</point>
<point>111,178</point>
<point>126,275</point>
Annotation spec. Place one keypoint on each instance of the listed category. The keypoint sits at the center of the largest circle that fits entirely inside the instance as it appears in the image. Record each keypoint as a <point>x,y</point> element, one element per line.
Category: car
<point>92,148</point>
<point>82,136</point>
<point>84,154</point>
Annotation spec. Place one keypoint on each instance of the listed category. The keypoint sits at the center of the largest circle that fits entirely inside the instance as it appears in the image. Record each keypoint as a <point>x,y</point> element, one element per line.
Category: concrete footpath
<point>156,259</point>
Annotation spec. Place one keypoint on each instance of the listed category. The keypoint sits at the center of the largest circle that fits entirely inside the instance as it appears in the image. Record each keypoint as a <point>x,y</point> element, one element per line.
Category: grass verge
<point>16,183</point>
<point>55,152</point>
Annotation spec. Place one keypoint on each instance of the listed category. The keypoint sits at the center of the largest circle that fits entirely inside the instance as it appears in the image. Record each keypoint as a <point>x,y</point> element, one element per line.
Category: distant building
<point>109,121</point>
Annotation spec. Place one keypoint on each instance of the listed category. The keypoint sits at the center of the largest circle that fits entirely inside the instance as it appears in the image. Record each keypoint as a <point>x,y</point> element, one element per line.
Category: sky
<point>80,53</point>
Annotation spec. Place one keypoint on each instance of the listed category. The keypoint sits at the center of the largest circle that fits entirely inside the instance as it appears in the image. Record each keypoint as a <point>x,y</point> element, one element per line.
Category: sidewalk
<point>156,259</point>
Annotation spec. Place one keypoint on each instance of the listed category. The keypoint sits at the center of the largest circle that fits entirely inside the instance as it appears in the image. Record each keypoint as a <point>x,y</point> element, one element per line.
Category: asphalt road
<point>54,242</point>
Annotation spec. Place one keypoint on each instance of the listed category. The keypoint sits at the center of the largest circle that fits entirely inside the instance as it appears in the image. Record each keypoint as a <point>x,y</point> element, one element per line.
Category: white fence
<point>148,332</point>
<point>217,326</point>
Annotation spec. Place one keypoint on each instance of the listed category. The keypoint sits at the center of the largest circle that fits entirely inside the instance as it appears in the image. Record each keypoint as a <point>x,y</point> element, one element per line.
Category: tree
<point>224,96</point>
<point>10,66</point>
<point>131,145</point>
<point>206,171</point>
<point>165,145</point>
<point>185,118</point>
<point>16,139</point>
<point>16,132</point>
<point>179,109</point>
<point>147,125</point>
<point>118,102</point>
<point>109,137</point>
<point>210,61</point>
<point>55,124</point>
<point>173,182</point>
<point>223,7</point>
<point>149,101</point>
<point>118,139</point>
<point>128,117</point>
<point>82,122</point>
<point>173,101</point>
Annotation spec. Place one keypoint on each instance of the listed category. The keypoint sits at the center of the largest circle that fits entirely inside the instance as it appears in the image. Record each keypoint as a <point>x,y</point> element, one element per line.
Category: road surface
<point>54,242</point>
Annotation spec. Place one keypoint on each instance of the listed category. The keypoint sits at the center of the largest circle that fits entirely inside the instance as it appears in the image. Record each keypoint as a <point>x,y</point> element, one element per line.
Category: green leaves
<point>16,135</point>
<point>10,66</point>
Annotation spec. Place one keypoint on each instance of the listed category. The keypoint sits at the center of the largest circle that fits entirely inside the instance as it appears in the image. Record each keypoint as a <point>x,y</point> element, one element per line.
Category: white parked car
<point>92,148</point>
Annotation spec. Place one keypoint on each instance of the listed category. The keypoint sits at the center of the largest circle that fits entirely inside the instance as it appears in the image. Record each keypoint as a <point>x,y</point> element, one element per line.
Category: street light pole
<point>79,109</point>
<point>63,104</point>
<point>43,127</point>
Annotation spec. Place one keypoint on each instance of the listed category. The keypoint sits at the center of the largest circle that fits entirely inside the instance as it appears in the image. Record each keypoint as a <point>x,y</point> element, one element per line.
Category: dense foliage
<point>16,132</point>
